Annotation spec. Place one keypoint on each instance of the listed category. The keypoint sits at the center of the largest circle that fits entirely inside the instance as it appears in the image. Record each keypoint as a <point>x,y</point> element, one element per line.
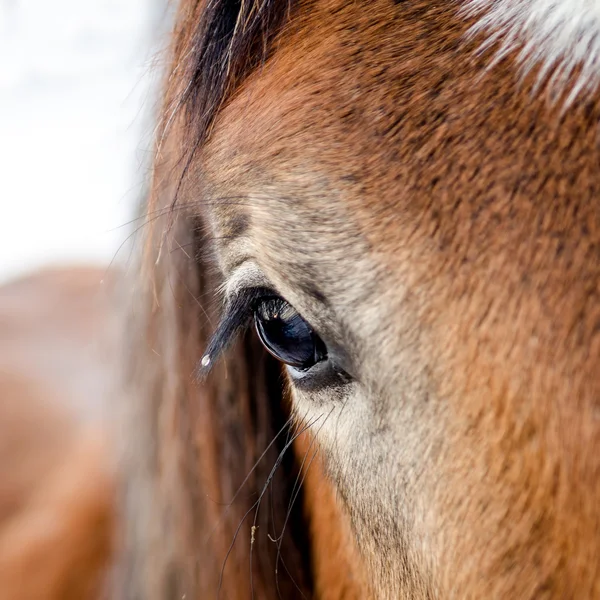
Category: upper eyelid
<point>246,275</point>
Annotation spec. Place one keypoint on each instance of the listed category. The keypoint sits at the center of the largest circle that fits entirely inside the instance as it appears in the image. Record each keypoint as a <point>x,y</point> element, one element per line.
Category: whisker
<point>229,504</point>
<point>266,485</point>
<point>257,505</point>
<point>296,491</point>
<point>291,579</point>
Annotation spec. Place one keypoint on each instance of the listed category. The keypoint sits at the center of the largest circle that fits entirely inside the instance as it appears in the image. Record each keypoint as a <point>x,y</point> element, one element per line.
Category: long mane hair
<point>211,478</point>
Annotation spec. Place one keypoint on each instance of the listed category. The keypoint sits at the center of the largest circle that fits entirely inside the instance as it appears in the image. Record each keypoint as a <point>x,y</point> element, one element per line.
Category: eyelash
<point>237,319</point>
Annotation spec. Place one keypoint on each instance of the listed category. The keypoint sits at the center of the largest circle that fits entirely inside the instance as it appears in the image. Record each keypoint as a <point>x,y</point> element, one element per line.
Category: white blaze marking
<point>559,36</point>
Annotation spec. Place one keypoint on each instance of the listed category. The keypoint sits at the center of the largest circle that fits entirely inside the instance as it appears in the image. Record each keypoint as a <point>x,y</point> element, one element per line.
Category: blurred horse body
<point>57,489</point>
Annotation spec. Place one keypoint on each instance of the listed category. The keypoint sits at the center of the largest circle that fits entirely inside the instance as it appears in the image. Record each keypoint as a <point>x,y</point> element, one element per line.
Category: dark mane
<point>217,45</point>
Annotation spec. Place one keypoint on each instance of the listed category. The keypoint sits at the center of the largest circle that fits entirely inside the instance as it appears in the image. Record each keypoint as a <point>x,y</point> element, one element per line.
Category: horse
<point>363,353</point>
<point>358,354</point>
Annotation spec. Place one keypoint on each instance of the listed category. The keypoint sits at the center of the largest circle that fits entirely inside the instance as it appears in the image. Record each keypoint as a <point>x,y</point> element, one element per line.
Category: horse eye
<point>286,335</point>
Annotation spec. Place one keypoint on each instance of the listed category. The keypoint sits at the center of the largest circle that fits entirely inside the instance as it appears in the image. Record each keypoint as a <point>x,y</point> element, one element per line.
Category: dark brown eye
<point>286,335</point>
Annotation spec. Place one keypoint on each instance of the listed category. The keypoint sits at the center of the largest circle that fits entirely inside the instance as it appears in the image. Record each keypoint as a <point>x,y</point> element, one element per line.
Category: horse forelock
<point>218,43</point>
<point>561,38</point>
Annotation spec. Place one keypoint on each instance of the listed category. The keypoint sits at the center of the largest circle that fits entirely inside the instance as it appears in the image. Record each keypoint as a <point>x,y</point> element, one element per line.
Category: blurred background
<point>79,86</point>
<point>77,97</point>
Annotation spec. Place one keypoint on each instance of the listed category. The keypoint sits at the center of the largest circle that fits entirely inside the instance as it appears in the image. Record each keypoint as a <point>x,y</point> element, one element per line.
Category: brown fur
<point>448,217</point>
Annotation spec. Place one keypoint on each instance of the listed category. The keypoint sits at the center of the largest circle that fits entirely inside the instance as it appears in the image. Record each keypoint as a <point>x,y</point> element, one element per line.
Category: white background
<point>77,95</point>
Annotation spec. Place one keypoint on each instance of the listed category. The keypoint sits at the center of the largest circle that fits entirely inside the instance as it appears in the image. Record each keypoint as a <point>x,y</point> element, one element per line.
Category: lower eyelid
<point>320,376</point>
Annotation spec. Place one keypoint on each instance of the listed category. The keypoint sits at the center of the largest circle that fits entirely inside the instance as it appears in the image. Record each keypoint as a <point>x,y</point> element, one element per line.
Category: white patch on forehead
<point>559,36</point>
